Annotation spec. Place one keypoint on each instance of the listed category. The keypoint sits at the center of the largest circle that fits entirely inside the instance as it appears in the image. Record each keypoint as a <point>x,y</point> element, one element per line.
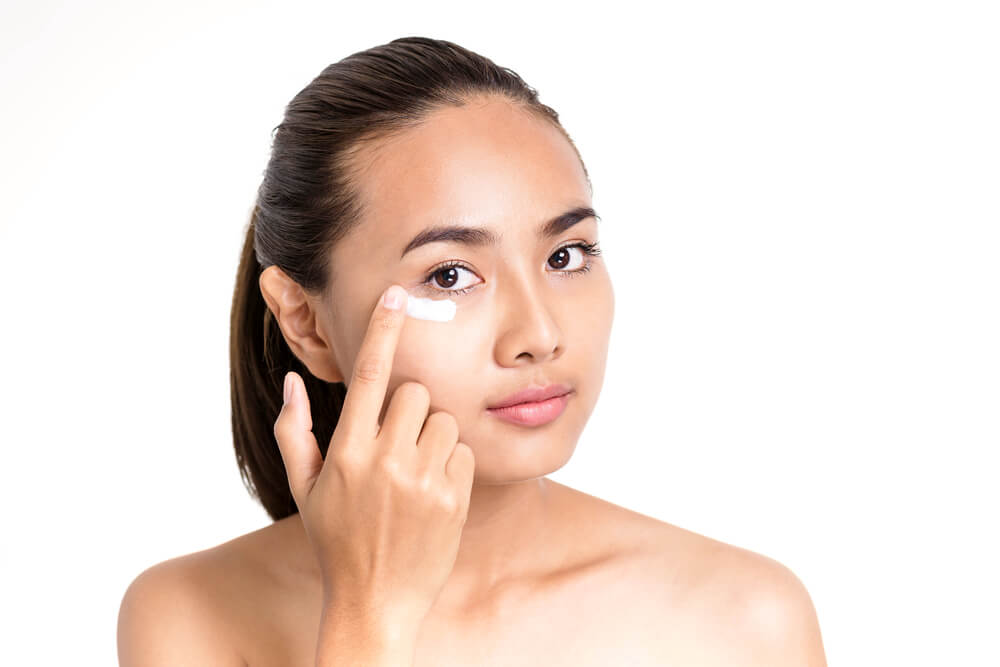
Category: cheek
<point>595,314</point>
<point>439,356</point>
<point>606,307</point>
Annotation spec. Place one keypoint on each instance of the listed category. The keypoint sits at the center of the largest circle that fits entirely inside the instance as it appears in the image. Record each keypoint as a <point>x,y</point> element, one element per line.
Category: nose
<point>528,331</point>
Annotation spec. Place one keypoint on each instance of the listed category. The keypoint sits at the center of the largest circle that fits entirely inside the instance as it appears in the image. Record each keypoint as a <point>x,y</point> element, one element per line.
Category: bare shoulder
<point>768,608</point>
<point>720,603</point>
<point>168,616</point>
<point>756,608</point>
<point>186,610</point>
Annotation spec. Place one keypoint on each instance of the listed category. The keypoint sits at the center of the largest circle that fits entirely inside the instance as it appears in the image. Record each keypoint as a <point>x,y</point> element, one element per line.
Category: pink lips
<point>532,394</point>
<point>533,406</point>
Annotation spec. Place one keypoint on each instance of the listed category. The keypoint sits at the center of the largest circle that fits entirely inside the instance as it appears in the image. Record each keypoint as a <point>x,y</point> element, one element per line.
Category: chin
<point>504,464</point>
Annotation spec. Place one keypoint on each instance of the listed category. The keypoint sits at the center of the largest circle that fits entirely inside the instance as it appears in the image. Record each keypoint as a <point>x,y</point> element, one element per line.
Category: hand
<point>384,512</point>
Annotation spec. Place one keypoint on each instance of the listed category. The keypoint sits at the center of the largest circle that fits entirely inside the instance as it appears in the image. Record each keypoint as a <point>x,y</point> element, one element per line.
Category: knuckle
<point>367,369</point>
<point>279,428</point>
<point>344,466</point>
<point>464,456</point>
<point>448,503</point>
<point>385,321</point>
<point>390,467</point>
<point>344,458</point>
<point>414,391</point>
<point>443,423</point>
<point>426,485</point>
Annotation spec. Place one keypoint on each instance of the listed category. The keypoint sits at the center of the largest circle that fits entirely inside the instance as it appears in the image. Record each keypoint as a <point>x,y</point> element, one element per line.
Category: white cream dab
<point>440,310</point>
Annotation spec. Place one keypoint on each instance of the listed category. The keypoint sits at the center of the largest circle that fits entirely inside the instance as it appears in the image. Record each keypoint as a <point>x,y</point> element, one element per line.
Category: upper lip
<point>533,394</point>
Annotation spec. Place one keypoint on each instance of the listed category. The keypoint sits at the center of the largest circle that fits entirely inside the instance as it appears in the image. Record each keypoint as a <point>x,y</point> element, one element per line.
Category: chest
<point>597,630</point>
<point>596,622</point>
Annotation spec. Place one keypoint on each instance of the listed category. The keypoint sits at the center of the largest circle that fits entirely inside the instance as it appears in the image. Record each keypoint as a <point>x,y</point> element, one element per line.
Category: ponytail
<point>308,200</point>
<point>259,358</point>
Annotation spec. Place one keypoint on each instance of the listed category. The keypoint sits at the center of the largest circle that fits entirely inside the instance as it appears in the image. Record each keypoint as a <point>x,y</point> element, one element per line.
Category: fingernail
<point>393,297</point>
<point>288,387</point>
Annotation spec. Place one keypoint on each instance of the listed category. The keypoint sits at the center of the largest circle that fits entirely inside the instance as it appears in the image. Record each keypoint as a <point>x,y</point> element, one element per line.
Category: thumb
<point>298,446</point>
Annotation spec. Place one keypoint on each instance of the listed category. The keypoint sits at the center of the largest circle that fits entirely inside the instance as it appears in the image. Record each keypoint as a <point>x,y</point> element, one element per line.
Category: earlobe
<point>294,313</point>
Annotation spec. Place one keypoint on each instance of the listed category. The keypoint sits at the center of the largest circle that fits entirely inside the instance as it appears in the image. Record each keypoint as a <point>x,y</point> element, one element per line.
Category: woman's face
<point>526,312</point>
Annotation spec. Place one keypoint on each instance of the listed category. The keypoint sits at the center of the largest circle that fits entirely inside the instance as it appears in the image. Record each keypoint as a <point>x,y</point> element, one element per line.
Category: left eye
<point>563,255</point>
<point>444,278</point>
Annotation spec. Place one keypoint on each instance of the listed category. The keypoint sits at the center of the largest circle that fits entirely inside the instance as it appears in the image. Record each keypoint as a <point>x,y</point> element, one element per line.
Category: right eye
<point>444,278</point>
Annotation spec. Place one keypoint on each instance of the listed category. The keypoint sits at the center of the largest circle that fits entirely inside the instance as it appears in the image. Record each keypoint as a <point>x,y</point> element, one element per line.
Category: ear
<point>295,313</point>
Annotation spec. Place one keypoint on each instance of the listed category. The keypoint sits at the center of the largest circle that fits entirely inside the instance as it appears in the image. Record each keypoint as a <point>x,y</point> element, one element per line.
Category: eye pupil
<point>564,252</point>
<point>451,272</point>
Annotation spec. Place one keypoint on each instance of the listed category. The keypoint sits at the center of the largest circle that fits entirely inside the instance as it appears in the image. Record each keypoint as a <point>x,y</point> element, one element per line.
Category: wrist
<point>349,636</point>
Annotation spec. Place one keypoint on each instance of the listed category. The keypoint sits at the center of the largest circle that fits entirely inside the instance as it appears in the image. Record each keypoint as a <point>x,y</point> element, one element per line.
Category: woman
<point>430,535</point>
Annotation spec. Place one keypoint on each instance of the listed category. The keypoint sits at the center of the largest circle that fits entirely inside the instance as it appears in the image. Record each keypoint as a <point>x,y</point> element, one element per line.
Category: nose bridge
<point>528,324</point>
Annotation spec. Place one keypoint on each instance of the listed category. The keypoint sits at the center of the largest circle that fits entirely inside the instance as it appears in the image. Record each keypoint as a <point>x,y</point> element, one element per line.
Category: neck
<point>506,536</point>
<point>509,534</point>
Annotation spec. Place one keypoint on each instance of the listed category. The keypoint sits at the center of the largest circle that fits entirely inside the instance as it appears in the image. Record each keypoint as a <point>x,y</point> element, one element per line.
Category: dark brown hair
<point>306,203</point>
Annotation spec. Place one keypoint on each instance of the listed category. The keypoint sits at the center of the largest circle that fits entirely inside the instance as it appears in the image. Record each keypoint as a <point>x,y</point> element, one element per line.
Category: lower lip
<point>532,414</point>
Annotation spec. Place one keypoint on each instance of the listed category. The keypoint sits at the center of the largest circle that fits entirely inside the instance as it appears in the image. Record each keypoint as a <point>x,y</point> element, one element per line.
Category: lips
<point>532,394</point>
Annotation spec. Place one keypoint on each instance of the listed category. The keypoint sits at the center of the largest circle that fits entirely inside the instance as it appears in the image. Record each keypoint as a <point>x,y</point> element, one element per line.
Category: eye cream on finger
<point>434,310</point>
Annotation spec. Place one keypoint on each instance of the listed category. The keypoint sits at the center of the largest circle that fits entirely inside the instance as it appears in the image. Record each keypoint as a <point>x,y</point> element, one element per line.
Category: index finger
<point>370,377</point>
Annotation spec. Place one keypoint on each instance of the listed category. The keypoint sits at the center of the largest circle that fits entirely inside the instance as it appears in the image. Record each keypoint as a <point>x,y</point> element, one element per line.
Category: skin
<point>545,574</point>
<point>522,324</point>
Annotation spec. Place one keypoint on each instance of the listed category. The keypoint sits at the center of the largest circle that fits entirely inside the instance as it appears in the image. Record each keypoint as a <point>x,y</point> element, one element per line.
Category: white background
<point>800,216</point>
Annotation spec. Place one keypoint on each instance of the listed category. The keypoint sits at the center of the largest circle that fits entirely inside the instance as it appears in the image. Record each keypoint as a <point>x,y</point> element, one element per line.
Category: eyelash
<point>590,249</point>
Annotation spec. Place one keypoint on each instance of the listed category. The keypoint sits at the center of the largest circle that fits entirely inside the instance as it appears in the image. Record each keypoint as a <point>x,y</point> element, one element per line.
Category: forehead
<point>487,163</point>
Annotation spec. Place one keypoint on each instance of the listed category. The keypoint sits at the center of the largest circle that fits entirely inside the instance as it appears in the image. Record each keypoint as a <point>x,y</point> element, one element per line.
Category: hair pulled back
<point>306,203</point>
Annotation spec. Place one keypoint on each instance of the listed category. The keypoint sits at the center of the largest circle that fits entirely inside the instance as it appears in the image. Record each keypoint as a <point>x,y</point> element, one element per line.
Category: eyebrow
<point>482,236</point>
